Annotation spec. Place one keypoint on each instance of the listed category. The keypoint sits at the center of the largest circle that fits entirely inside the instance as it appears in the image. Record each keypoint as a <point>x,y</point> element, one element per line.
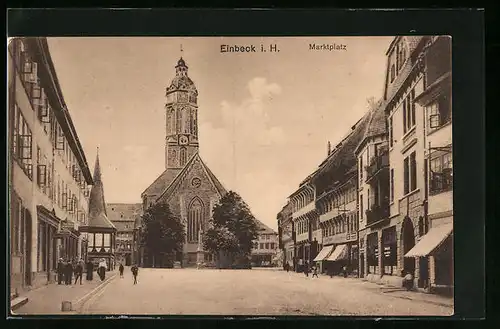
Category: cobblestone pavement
<point>253,292</point>
<point>47,300</point>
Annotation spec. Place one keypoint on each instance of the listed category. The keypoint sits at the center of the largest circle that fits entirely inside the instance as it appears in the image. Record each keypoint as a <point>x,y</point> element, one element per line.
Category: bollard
<point>66,306</point>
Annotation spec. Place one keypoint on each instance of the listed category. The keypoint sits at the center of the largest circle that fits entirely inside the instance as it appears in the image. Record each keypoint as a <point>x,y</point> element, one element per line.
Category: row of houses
<point>53,197</point>
<point>381,203</point>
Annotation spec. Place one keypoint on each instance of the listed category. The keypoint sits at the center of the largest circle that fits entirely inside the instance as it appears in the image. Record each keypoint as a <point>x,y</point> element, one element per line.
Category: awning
<point>323,253</point>
<point>339,253</point>
<point>429,242</point>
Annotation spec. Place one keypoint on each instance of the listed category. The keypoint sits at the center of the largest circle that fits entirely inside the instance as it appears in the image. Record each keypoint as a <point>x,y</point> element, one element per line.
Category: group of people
<point>314,270</point>
<point>66,269</point>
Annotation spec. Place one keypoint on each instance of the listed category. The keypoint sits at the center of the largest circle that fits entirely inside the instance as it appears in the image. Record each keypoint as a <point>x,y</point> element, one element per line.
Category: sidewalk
<point>48,299</point>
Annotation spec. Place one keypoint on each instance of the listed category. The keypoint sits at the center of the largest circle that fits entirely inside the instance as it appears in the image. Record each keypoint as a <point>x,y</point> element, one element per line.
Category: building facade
<point>286,235</point>
<point>49,177</point>
<point>124,216</point>
<point>187,184</point>
<point>265,247</point>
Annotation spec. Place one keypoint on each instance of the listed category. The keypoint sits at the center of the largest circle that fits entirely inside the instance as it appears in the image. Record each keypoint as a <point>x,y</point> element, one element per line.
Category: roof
<point>178,179</point>
<point>98,216</point>
<point>122,226</point>
<point>377,124</point>
<point>343,158</point>
<point>61,111</point>
<point>122,213</point>
<point>160,184</point>
<point>264,229</point>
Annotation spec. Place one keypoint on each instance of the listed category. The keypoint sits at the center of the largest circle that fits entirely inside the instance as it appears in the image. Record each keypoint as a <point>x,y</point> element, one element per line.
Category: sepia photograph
<point>254,176</point>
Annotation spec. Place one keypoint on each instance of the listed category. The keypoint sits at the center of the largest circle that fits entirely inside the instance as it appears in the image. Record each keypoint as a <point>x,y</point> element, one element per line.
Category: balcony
<point>378,165</point>
<point>377,213</point>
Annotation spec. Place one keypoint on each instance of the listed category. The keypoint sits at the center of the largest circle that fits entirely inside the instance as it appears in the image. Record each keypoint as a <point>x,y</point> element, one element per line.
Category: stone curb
<point>18,302</point>
<point>80,303</point>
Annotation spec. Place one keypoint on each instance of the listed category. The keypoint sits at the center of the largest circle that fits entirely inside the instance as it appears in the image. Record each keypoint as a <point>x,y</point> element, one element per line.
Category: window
<point>22,142</point>
<point>361,169</point>
<point>361,206</point>
<point>409,112</point>
<point>368,200</point>
<point>441,178</point>
<point>267,245</point>
<point>183,156</point>
<point>439,112</point>
<point>392,186</point>
<point>261,246</point>
<point>393,73</point>
<point>410,173</point>
<point>391,133</point>
<point>194,220</point>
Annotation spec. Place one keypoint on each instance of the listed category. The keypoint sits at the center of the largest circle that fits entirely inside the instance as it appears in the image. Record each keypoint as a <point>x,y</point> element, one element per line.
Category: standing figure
<point>68,272</point>
<point>315,271</point>
<point>344,271</point>
<point>287,267</point>
<point>90,270</point>
<point>408,281</point>
<point>135,271</point>
<point>121,270</point>
<point>79,271</point>
<point>60,271</point>
<point>102,269</point>
<point>306,269</point>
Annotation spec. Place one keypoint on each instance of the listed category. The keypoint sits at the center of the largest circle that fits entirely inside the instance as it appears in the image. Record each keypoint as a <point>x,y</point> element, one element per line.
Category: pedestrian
<point>287,267</point>
<point>79,271</point>
<point>408,281</point>
<point>102,269</point>
<point>135,271</point>
<point>121,270</point>
<point>306,269</point>
<point>315,271</point>
<point>344,271</point>
<point>60,271</point>
<point>68,273</point>
<point>90,270</point>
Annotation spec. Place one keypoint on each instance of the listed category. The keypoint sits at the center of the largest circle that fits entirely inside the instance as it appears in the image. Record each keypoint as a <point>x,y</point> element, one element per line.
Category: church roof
<point>178,179</point>
<point>98,217</point>
<point>164,180</point>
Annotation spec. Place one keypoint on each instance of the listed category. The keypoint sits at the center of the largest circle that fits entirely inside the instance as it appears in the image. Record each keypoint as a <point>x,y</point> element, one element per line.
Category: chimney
<point>329,148</point>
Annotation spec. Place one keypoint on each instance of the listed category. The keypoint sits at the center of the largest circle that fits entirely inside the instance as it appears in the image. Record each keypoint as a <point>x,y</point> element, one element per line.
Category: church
<point>187,185</point>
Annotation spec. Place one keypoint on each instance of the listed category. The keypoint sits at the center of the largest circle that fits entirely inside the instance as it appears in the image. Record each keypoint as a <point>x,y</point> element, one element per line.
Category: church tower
<point>181,119</point>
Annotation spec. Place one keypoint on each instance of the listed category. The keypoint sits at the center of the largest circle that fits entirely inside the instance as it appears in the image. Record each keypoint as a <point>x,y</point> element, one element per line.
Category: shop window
<point>390,250</point>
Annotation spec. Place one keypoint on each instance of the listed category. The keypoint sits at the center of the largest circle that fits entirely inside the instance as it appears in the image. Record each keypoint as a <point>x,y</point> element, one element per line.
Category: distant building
<point>49,177</point>
<point>286,235</point>
<point>124,216</point>
<point>265,247</point>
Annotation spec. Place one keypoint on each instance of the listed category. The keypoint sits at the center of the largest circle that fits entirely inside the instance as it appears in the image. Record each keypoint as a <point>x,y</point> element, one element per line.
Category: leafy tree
<point>233,228</point>
<point>163,232</point>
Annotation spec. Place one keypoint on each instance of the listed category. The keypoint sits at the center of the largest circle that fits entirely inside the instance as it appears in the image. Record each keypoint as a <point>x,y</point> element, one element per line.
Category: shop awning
<point>432,240</point>
<point>323,253</point>
<point>339,253</point>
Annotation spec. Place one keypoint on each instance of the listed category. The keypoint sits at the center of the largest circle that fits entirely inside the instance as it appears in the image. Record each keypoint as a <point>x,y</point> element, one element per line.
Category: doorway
<point>423,278</point>
<point>128,260</point>
<point>408,237</point>
<point>26,236</point>
<point>362,265</point>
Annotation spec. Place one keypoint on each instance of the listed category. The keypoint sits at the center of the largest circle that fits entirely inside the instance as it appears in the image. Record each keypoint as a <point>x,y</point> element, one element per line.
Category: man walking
<point>79,271</point>
<point>135,271</point>
<point>315,271</point>
<point>60,271</point>
<point>121,270</point>
<point>68,273</point>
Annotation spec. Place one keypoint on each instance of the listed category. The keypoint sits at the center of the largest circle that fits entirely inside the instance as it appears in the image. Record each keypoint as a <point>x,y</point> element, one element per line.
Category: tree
<point>232,228</point>
<point>163,232</point>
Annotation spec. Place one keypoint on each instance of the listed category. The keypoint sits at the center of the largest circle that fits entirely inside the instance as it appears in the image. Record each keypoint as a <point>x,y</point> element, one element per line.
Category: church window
<point>194,220</point>
<point>183,156</point>
<point>185,120</point>
<point>178,118</point>
<point>171,122</point>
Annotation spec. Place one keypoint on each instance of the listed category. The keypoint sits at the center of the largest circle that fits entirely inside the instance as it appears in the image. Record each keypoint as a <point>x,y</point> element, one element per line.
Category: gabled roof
<point>178,179</point>
<point>123,226</point>
<point>160,184</point>
<point>118,212</point>
<point>263,228</point>
<point>376,123</point>
<point>98,217</point>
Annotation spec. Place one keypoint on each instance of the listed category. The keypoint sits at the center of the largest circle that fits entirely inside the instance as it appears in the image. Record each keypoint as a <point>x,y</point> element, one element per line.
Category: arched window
<point>171,122</point>
<point>183,156</point>
<point>194,220</point>
<point>185,120</point>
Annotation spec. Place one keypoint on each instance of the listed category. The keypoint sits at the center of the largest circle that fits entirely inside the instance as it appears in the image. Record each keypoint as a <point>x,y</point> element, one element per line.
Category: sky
<point>265,118</point>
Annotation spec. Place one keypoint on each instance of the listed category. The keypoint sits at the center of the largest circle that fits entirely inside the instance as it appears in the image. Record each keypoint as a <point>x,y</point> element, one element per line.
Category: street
<point>255,292</point>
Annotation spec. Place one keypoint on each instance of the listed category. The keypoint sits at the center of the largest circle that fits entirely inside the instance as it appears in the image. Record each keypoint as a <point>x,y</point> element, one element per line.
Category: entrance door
<point>423,279</point>
<point>27,247</point>
<point>128,260</point>
<point>408,236</point>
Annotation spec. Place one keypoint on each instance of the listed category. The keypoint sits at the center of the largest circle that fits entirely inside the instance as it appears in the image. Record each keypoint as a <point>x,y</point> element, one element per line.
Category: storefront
<point>338,259</point>
<point>389,257</point>
<point>320,259</point>
<point>372,253</point>
<point>47,246</point>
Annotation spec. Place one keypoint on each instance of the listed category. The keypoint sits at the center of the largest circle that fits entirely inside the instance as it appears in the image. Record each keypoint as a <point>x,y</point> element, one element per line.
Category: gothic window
<point>171,122</point>
<point>178,118</point>
<point>185,120</point>
<point>193,122</point>
<point>183,156</point>
<point>194,220</point>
